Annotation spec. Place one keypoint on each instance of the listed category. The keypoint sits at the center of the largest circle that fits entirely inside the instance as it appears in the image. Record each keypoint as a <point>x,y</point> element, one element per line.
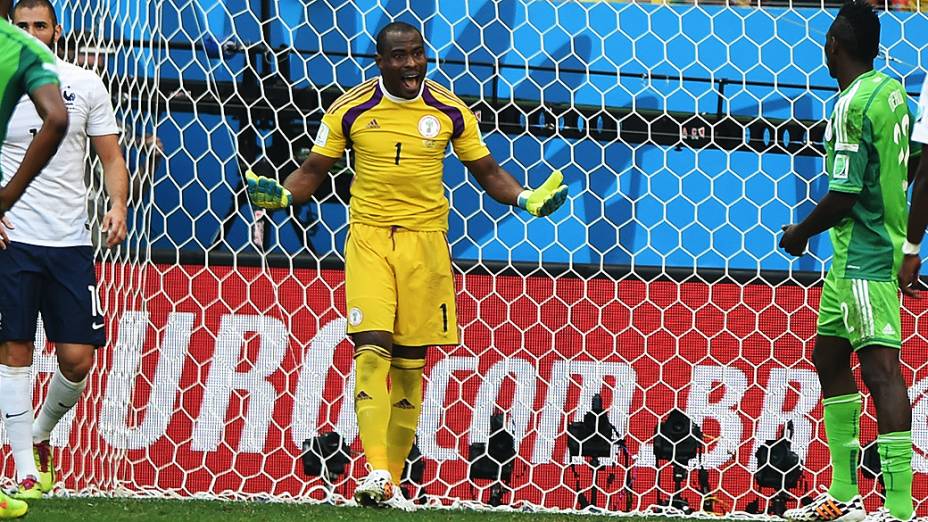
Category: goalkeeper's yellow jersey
<point>399,148</point>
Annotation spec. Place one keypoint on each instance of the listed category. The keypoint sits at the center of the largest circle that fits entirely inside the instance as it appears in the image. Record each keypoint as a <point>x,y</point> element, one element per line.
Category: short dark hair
<point>394,27</point>
<point>857,27</point>
<point>32,4</point>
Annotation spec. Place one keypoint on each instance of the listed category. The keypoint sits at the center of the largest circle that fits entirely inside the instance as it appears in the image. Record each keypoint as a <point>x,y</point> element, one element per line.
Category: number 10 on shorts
<point>96,308</point>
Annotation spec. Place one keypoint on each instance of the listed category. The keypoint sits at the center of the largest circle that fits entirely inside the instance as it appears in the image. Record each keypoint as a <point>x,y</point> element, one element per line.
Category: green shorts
<point>863,312</point>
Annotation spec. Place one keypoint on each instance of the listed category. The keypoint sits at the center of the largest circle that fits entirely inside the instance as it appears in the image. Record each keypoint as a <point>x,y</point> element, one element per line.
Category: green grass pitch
<point>107,509</point>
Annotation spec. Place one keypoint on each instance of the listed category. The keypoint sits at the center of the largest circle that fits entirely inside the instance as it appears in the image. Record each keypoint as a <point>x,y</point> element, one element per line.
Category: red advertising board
<point>213,377</point>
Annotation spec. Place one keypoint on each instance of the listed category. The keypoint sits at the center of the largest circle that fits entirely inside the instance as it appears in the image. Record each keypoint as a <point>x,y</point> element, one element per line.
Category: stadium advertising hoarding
<point>214,376</point>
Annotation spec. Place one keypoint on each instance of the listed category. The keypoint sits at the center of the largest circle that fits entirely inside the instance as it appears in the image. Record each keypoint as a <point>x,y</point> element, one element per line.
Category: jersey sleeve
<point>469,145</point>
<point>330,140</point>
<point>854,138</point>
<point>920,129</point>
<point>101,119</point>
<point>38,67</point>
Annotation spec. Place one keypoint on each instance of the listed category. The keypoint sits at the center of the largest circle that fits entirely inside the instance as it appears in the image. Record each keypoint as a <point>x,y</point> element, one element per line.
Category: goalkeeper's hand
<point>545,199</point>
<point>266,192</point>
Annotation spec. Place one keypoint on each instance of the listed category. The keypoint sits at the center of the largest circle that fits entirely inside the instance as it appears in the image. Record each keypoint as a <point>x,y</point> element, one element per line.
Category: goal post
<point>687,134</point>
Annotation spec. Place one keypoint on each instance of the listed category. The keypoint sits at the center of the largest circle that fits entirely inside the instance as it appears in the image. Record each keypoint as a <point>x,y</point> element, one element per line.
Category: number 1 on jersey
<point>399,147</point>
<point>444,317</point>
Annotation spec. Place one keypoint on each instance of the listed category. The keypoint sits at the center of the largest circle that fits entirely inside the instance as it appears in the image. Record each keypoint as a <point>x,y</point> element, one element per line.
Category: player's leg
<point>372,357</point>
<point>372,408</point>
<point>370,297</point>
<point>881,372</point>
<point>879,367</point>
<point>74,321</point>
<point>16,405</point>
<point>406,405</point>
<point>426,316</point>
<point>16,408</point>
<point>837,326</point>
<point>64,390</point>
<point>21,284</point>
<point>842,408</point>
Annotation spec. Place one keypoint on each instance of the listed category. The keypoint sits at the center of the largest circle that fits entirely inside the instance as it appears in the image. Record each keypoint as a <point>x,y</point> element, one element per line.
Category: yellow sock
<point>372,401</point>
<point>406,400</point>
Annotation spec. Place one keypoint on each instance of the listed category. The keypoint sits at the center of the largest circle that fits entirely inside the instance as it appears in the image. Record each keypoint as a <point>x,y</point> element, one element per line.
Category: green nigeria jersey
<point>25,65</point>
<point>867,146</point>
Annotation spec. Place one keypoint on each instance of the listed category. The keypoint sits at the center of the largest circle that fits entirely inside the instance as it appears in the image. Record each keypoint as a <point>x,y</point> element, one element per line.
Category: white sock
<point>62,396</point>
<point>16,405</point>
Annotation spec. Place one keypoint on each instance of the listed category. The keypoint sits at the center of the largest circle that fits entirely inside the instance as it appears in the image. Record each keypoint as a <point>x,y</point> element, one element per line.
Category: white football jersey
<point>53,210</point>
<point>920,130</point>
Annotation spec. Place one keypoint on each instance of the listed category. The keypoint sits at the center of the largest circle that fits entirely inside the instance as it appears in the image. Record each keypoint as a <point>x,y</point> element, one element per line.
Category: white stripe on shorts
<point>864,310</point>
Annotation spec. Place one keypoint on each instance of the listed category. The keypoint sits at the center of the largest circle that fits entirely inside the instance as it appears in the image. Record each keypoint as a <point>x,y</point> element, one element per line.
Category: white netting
<point>688,135</point>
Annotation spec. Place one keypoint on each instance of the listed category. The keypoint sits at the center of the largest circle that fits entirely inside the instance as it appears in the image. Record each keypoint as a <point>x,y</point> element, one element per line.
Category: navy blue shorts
<point>58,282</point>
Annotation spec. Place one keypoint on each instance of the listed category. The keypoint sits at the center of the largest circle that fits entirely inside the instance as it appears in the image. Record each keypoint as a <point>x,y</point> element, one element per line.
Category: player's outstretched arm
<point>300,185</point>
<point>502,187</point>
<point>834,207</point>
<point>50,106</point>
<point>116,179</point>
<point>918,220</point>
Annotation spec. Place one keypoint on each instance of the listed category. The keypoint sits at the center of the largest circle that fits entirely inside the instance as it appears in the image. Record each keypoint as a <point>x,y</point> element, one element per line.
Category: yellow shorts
<point>400,281</point>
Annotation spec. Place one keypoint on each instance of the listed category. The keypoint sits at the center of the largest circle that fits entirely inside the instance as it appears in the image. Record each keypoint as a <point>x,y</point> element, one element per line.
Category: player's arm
<point>299,186</point>
<point>116,179</point>
<point>834,207</point>
<point>918,213</point>
<point>845,182</point>
<point>303,182</point>
<point>498,183</point>
<point>51,109</point>
<point>918,216</point>
<point>915,232</point>
<point>502,187</point>
<point>914,166</point>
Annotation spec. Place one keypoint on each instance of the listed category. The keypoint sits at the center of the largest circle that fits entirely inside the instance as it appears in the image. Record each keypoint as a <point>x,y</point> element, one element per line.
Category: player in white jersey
<point>48,266</point>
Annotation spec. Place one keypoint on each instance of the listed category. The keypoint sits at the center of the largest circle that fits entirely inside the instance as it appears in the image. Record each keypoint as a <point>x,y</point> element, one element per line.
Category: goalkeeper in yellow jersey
<point>399,286</point>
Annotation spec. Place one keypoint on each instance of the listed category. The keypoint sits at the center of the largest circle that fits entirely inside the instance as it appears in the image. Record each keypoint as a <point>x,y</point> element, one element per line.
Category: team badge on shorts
<point>355,316</point>
<point>429,126</point>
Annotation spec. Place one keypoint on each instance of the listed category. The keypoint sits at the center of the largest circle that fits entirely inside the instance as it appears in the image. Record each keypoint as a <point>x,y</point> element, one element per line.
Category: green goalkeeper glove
<point>266,192</point>
<point>545,199</point>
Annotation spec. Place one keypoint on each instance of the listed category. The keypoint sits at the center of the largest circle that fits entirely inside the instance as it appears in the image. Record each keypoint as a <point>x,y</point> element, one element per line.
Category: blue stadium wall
<point>644,205</point>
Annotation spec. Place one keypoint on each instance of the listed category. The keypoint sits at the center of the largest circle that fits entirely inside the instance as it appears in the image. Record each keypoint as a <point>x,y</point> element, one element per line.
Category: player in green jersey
<point>867,147</point>
<point>28,67</point>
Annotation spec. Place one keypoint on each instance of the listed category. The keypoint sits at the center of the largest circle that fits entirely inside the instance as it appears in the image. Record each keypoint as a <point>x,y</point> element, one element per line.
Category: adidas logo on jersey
<point>889,330</point>
<point>362,396</point>
<point>373,124</point>
<point>403,404</point>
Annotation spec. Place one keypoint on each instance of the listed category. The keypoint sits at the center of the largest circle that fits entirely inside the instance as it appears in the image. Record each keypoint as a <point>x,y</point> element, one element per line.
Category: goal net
<point>688,134</point>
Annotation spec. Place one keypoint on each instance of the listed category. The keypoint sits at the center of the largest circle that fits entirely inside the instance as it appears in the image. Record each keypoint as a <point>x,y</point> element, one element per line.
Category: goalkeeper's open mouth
<point>411,82</point>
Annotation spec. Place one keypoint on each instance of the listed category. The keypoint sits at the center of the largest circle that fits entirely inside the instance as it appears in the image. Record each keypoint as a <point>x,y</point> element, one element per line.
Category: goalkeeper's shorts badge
<point>355,316</point>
